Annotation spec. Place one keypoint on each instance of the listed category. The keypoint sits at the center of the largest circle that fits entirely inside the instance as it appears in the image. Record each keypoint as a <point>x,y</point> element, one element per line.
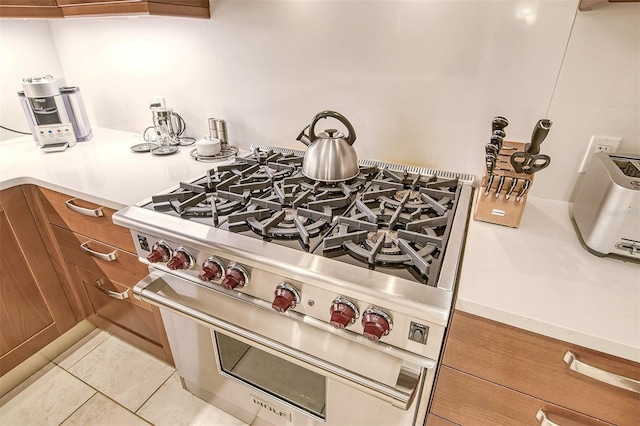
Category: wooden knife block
<point>499,210</point>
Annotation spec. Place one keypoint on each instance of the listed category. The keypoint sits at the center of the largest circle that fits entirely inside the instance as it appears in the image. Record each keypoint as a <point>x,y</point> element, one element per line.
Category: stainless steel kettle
<point>330,156</point>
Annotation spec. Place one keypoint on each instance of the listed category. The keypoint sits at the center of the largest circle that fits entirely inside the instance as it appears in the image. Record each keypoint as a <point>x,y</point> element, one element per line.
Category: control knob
<point>376,324</point>
<point>235,277</point>
<point>343,313</point>
<point>181,259</point>
<point>160,252</point>
<point>212,269</point>
<point>286,297</point>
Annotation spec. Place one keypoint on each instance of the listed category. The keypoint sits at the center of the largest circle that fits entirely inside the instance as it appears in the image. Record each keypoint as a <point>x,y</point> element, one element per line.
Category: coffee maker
<point>56,114</point>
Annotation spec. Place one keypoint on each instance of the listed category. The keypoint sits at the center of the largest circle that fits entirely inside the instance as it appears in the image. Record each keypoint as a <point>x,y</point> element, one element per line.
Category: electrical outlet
<point>598,144</point>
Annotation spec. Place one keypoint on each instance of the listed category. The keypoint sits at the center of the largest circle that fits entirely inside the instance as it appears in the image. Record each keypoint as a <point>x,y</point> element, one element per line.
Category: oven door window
<point>287,382</point>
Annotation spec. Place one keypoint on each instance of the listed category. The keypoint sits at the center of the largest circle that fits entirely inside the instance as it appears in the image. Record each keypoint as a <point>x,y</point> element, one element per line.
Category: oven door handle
<point>401,395</point>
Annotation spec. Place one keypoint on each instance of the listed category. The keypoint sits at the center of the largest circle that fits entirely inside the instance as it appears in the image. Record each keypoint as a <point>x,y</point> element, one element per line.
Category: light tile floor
<point>103,380</point>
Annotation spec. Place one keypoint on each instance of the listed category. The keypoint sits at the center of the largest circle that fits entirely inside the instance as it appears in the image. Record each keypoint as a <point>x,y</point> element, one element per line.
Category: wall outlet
<point>598,144</point>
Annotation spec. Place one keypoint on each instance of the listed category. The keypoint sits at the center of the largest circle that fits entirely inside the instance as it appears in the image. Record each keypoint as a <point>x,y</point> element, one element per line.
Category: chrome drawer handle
<point>601,375</point>
<point>87,212</point>
<point>114,294</point>
<point>544,420</point>
<point>108,257</point>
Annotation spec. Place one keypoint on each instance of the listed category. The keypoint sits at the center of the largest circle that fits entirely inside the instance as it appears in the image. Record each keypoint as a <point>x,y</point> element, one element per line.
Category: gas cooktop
<point>390,218</point>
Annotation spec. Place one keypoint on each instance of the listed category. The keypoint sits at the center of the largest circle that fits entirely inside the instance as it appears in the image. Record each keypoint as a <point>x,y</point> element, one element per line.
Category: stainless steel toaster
<point>607,206</point>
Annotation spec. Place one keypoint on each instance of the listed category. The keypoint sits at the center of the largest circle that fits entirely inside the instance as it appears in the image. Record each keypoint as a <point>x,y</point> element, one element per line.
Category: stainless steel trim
<point>108,257</point>
<point>114,294</point>
<point>455,245</point>
<point>400,396</point>
<point>395,294</point>
<point>87,212</point>
<point>601,375</point>
<point>544,420</point>
<point>309,320</point>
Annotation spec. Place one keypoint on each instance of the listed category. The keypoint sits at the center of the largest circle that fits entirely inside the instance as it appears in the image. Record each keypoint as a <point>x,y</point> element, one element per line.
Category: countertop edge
<point>28,180</point>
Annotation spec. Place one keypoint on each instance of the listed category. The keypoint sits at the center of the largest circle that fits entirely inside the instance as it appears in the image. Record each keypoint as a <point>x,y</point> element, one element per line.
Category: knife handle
<point>489,183</point>
<point>500,185</point>
<point>499,123</point>
<point>512,187</point>
<point>523,190</point>
<point>539,134</point>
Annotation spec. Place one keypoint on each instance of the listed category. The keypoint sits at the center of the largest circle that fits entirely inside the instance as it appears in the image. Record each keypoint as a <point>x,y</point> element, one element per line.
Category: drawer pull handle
<point>87,212</point>
<point>109,257</point>
<point>544,420</point>
<point>114,294</point>
<point>601,375</point>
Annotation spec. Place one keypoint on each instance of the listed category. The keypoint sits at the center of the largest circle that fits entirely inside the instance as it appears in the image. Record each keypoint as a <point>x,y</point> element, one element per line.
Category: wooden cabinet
<point>34,309</point>
<point>99,260</point>
<point>30,9</point>
<point>73,8</point>
<point>184,8</point>
<point>494,373</point>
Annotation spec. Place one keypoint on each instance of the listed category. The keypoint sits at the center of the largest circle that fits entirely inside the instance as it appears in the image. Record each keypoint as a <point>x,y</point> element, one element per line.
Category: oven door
<point>252,361</point>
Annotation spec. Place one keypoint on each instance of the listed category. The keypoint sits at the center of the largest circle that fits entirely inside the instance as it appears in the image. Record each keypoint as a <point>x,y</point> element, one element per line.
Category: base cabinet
<point>493,373</point>
<point>96,257</point>
<point>34,308</point>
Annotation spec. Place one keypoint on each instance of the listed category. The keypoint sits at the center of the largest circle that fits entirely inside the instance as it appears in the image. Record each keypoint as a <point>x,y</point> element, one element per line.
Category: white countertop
<point>540,278</point>
<point>537,277</point>
<point>103,170</point>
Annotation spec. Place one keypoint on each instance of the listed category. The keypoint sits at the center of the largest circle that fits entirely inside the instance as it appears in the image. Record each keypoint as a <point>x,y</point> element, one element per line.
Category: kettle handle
<point>351,137</point>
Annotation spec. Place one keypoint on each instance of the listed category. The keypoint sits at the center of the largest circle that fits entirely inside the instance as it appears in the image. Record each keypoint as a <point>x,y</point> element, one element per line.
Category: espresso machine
<point>55,113</point>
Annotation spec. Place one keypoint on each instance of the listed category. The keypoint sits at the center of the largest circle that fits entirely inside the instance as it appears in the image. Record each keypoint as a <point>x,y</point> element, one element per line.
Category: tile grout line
<point>152,394</point>
<point>96,391</point>
<point>83,356</point>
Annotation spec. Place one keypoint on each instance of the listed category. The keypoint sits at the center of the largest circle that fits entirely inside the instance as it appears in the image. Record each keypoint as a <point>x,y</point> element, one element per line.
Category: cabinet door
<point>468,400</point>
<point>30,9</point>
<point>535,365</point>
<point>34,309</point>
<point>184,8</point>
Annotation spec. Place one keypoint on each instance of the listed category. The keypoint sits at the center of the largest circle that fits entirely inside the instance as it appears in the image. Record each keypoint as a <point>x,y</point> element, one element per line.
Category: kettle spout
<point>304,137</point>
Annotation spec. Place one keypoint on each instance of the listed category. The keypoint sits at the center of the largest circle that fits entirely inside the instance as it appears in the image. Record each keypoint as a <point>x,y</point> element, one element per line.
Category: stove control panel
<point>376,324</point>
<point>181,259</point>
<point>212,270</point>
<point>346,312</point>
<point>343,313</point>
<point>160,252</point>
<point>286,297</point>
<point>235,277</point>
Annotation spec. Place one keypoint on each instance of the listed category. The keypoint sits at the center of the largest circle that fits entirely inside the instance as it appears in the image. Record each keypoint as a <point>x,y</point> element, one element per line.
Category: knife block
<point>499,210</point>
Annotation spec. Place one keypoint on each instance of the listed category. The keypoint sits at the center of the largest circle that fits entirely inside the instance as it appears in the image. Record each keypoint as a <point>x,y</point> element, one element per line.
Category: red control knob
<point>286,297</point>
<point>212,269</point>
<point>160,252</point>
<point>376,324</point>
<point>343,313</point>
<point>179,260</point>
<point>234,278</point>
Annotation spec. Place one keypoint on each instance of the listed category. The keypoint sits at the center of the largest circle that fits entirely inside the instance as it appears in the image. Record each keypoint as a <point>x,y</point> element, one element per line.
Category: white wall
<point>26,49</point>
<point>420,81</point>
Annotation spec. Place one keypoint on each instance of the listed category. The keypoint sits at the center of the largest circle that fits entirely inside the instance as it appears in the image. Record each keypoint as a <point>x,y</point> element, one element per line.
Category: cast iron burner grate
<point>401,220</point>
<point>298,207</point>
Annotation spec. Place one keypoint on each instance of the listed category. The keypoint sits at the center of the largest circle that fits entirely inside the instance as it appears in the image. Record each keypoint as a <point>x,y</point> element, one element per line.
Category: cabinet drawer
<point>107,302</point>
<point>533,364</point>
<point>85,218</point>
<point>123,268</point>
<point>468,400</point>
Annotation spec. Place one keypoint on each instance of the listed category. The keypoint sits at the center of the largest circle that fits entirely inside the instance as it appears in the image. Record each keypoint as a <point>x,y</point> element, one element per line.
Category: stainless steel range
<point>291,301</point>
